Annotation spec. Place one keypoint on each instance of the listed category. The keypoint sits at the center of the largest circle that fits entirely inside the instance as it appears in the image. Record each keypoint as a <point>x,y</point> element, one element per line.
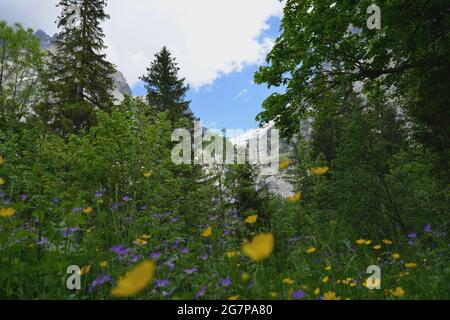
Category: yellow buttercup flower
<point>88,210</point>
<point>398,292</point>
<point>251,219</point>
<point>326,280</point>
<point>330,295</point>
<point>236,297</point>
<point>377,247</point>
<point>84,270</point>
<point>145,237</point>
<point>361,241</point>
<point>328,268</point>
<point>368,242</point>
<point>207,233</point>
<point>288,281</point>
<point>140,242</point>
<point>232,254</point>
<point>320,171</point>
<point>2,160</point>
<point>260,247</point>
<point>245,277</point>
<point>387,242</point>
<point>317,291</point>
<point>2,181</point>
<point>274,295</point>
<point>285,164</point>
<point>410,265</point>
<point>396,256</point>
<point>311,250</point>
<point>148,174</point>
<point>135,281</point>
<point>103,264</point>
<point>7,212</point>
<point>296,197</point>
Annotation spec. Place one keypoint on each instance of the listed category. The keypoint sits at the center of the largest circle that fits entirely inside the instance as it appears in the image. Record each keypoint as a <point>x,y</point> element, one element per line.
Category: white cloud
<point>209,38</point>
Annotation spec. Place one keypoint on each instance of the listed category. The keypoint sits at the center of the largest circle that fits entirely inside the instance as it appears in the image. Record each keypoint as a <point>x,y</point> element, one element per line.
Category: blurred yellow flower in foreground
<point>7,212</point>
<point>207,233</point>
<point>135,281</point>
<point>320,171</point>
<point>285,164</point>
<point>398,292</point>
<point>88,210</point>
<point>311,250</point>
<point>260,247</point>
<point>251,219</point>
<point>296,197</point>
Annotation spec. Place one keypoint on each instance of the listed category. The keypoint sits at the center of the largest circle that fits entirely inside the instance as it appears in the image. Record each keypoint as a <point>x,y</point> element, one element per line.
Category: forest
<point>92,205</point>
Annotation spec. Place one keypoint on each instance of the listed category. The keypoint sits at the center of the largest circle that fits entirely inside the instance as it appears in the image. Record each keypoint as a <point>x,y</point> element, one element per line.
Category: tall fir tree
<point>79,77</point>
<point>165,91</point>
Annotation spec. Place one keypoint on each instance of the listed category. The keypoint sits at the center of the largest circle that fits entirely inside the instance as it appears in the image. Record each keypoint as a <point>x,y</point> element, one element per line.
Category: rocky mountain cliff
<point>121,85</point>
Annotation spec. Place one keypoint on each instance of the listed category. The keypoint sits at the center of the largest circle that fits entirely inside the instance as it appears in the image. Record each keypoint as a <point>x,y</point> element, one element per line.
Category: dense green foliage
<point>102,192</point>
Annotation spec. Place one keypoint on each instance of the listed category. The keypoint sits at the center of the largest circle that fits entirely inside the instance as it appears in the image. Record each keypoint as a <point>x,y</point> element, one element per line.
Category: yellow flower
<point>2,181</point>
<point>7,212</point>
<point>368,242</point>
<point>410,265</point>
<point>387,242</point>
<point>236,297</point>
<point>135,281</point>
<point>330,295</point>
<point>260,247</point>
<point>140,242</point>
<point>251,219</point>
<point>285,164</point>
<point>311,250</point>
<point>361,241</point>
<point>84,270</point>
<point>328,268</point>
<point>207,233</point>
<point>320,171</point>
<point>148,174</point>
<point>288,281</point>
<point>398,292</point>
<point>396,256</point>
<point>296,197</point>
<point>317,291</point>
<point>232,254</point>
<point>326,279</point>
<point>245,277</point>
<point>103,264</point>
<point>274,295</point>
<point>88,210</point>
<point>2,160</point>
<point>377,247</point>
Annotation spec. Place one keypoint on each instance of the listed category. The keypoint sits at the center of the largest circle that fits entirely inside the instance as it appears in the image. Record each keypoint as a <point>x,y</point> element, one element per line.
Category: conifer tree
<point>165,91</point>
<point>79,76</point>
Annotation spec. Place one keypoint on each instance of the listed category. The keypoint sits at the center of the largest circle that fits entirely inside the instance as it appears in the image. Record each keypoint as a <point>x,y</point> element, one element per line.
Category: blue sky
<point>232,101</point>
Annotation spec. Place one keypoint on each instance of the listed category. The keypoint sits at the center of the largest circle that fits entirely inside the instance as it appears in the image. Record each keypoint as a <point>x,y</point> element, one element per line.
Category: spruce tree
<point>165,91</point>
<point>79,76</point>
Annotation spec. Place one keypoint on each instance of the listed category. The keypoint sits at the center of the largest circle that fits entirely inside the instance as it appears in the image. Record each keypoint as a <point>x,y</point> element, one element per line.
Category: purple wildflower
<point>190,271</point>
<point>70,231</point>
<point>126,198</point>
<point>428,228</point>
<point>200,293</point>
<point>298,294</point>
<point>24,197</point>
<point>161,283</point>
<point>204,257</point>
<point>120,250</point>
<point>412,235</point>
<point>185,250</point>
<point>155,255</point>
<point>43,241</point>
<point>174,219</point>
<point>226,282</point>
<point>411,242</point>
<point>99,281</point>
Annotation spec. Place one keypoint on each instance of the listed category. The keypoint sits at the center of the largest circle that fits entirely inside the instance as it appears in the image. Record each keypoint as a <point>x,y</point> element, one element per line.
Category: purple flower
<point>226,232</point>
<point>298,294</point>
<point>135,258</point>
<point>99,281</point>
<point>204,257</point>
<point>174,219</point>
<point>99,194</point>
<point>43,241</point>
<point>70,231</point>
<point>24,197</point>
<point>155,255</point>
<point>412,235</point>
<point>185,250</point>
<point>411,242</point>
<point>190,271</point>
<point>120,250</point>
<point>226,282</point>
<point>161,283</point>
<point>200,293</point>
<point>428,228</point>
<point>126,198</point>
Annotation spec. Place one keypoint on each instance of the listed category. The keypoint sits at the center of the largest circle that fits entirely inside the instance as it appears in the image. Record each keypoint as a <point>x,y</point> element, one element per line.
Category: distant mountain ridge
<point>121,85</point>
